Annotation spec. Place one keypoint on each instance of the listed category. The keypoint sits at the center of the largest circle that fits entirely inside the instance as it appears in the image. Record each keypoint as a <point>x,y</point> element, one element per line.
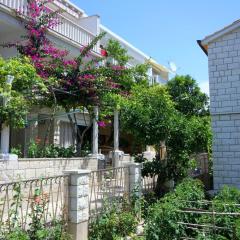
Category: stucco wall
<point>39,167</point>
<point>224,78</point>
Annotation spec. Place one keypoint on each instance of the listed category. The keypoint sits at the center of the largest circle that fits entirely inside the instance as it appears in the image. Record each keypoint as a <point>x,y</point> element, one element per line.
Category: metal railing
<point>19,200</point>
<point>66,28</point>
<point>107,186</point>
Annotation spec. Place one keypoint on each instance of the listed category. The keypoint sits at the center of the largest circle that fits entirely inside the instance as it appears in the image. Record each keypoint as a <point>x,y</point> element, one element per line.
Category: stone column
<point>78,205</point>
<point>116,130</point>
<point>5,135</point>
<point>95,151</point>
<point>133,179</point>
<point>5,130</point>
<point>95,132</point>
<point>117,155</point>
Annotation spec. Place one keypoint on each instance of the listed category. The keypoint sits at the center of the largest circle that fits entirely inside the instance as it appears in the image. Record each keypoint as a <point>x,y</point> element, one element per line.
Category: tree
<point>194,104</point>
<point>188,135</point>
<point>26,87</point>
<point>188,96</point>
<point>117,52</point>
<point>149,114</point>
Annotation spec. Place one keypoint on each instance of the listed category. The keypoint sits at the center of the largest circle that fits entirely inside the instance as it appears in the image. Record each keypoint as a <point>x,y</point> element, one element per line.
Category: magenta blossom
<point>118,67</point>
<point>102,124</point>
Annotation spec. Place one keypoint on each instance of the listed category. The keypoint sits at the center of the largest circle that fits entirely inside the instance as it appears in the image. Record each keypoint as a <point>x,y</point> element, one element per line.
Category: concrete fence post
<point>133,179</point>
<point>78,203</point>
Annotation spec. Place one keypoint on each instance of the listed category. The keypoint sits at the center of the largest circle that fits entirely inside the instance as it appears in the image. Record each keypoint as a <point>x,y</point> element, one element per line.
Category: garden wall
<point>40,167</point>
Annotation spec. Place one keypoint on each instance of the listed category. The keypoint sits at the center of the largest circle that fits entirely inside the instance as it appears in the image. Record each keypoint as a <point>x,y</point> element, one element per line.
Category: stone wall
<point>38,167</point>
<point>224,77</point>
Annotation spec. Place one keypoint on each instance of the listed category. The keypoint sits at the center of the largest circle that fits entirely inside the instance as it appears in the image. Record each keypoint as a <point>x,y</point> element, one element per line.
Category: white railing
<point>19,5</point>
<point>74,32</point>
<point>66,28</point>
<point>157,79</point>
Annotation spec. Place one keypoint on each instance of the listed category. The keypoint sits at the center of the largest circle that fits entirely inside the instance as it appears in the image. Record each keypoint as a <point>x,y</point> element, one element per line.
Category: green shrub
<point>33,149</point>
<point>50,151</point>
<point>17,151</point>
<point>224,202</point>
<point>18,234</point>
<point>163,217</point>
<point>113,225</point>
<point>116,221</point>
<point>204,236</point>
<point>147,201</point>
<point>55,232</point>
<point>237,229</point>
<point>46,233</point>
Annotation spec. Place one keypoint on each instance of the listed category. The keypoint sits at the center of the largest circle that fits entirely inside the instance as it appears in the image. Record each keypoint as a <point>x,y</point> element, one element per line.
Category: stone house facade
<point>223,50</point>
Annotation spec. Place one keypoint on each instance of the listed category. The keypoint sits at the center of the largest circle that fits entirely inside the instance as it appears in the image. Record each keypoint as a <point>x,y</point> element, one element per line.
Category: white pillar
<point>116,130</point>
<point>117,155</point>
<point>95,153</point>
<point>5,135</point>
<point>5,131</point>
<point>95,132</point>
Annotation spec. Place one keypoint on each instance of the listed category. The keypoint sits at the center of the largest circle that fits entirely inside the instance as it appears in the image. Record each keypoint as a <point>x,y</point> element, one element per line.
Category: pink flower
<point>72,63</point>
<point>102,124</point>
<point>118,67</point>
<point>34,32</point>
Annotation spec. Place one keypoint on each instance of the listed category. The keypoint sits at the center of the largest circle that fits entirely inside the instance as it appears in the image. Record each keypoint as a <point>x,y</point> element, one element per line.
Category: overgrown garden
<point>174,117</point>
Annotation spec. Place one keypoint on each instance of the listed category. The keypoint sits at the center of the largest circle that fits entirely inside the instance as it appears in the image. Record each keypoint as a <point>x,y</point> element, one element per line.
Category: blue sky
<point>167,30</point>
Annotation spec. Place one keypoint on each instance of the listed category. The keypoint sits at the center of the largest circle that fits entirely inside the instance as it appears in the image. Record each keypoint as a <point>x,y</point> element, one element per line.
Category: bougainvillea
<point>36,46</point>
<point>79,83</point>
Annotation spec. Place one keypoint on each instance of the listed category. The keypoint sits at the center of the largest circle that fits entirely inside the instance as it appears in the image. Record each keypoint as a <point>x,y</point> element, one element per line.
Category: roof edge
<point>121,39</point>
<point>125,42</point>
<point>221,32</point>
<point>202,47</point>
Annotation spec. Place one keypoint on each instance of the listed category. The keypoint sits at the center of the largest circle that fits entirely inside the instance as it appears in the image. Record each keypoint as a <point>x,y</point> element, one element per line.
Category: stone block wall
<point>39,167</point>
<point>224,81</point>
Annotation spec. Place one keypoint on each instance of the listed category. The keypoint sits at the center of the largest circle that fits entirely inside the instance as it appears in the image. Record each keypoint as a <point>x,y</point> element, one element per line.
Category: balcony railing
<point>157,79</point>
<point>74,32</point>
<point>19,5</point>
<point>66,28</point>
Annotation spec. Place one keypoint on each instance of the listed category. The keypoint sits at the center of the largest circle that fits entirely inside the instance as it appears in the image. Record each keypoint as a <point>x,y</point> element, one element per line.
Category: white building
<point>77,29</point>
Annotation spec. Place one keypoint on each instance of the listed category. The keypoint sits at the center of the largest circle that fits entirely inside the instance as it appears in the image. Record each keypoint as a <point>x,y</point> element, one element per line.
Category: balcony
<point>157,79</point>
<point>67,29</point>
